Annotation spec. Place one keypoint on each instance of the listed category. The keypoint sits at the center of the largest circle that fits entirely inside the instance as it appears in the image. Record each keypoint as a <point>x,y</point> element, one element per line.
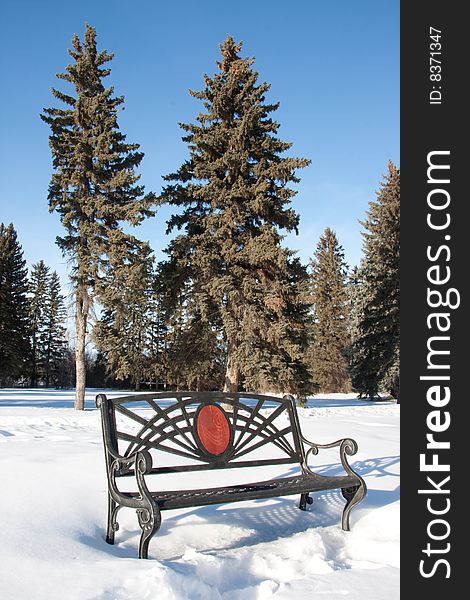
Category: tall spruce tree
<point>94,187</point>
<point>375,349</point>
<point>234,199</point>
<point>14,308</point>
<point>330,337</point>
<point>38,291</point>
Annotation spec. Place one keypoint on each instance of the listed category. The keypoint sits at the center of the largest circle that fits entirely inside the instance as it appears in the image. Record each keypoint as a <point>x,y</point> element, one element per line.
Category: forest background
<point>338,105</point>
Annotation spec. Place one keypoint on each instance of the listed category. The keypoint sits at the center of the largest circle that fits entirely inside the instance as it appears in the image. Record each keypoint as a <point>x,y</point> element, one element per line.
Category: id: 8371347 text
<point>435,65</point>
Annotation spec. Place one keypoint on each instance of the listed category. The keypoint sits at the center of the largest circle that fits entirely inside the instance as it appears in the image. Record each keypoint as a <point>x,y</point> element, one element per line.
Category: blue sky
<point>333,66</point>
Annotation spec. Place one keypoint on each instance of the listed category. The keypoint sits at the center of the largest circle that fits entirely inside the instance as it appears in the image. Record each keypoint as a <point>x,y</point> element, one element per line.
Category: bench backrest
<point>207,430</point>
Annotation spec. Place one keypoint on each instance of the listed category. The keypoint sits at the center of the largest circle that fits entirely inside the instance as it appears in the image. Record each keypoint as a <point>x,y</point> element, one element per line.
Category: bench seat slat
<point>252,491</point>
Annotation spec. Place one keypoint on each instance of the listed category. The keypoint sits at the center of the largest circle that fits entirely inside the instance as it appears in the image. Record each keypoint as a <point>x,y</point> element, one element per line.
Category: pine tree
<point>94,187</point>
<point>65,369</point>
<point>97,372</point>
<point>14,308</point>
<point>158,327</point>
<point>355,310</point>
<point>330,330</point>
<point>191,348</point>
<point>195,356</point>
<point>234,196</point>
<point>281,363</point>
<point>55,344</point>
<point>48,325</point>
<point>121,334</point>
<point>375,350</point>
<point>38,289</point>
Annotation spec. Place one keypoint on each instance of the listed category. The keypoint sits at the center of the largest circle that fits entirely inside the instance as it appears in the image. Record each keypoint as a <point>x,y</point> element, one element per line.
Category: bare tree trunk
<point>34,373</point>
<point>81,316</point>
<point>232,374</point>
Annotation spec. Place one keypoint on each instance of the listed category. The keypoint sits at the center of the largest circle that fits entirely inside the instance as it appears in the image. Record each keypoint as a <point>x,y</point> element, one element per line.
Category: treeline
<point>230,307</point>
<point>33,342</point>
<point>149,332</point>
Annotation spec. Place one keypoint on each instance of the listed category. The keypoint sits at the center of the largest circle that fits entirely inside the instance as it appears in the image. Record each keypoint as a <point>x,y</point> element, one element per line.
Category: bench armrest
<point>142,460</point>
<point>118,465</point>
<point>347,447</point>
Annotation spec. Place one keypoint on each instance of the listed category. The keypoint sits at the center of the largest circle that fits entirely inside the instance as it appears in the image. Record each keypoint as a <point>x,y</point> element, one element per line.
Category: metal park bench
<point>207,431</point>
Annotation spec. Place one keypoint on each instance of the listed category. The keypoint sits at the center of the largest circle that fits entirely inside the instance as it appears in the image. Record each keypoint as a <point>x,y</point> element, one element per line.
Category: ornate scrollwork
<point>347,447</point>
<point>116,466</point>
<point>143,462</point>
<point>144,518</point>
<point>113,518</point>
<point>148,514</point>
<point>349,492</point>
<point>353,494</point>
<point>113,526</point>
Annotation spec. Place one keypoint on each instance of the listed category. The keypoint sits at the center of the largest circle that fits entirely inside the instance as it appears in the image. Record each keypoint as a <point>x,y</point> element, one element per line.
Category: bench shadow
<point>382,466</point>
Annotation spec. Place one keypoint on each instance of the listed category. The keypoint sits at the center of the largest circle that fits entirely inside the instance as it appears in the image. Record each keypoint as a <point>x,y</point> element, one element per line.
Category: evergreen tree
<point>195,356</point>
<point>375,350</point>
<point>55,344</point>
<point>48,325</point>
<point>330,330</point>
<point>66,369</point>
<point>196,348</point>
<point>191,346</point>
<point>234,199</point>
<point>157,347</point>
<point>14,308</point>
<point>121,334</point>
<point>97,372</point>
<point>281,363</point>
<point>38,290</point>
<point>94,187</point>
<point>355,309</point>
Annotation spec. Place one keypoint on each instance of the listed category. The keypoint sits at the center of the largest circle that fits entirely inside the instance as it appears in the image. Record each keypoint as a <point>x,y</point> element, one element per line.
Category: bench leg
<point>149,521</point>
<point>353,496</point>
<point>304,500</point>
<point>113,526</point>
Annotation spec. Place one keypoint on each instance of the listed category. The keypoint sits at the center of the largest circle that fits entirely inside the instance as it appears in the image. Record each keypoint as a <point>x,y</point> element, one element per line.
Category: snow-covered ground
<point>53,514</point>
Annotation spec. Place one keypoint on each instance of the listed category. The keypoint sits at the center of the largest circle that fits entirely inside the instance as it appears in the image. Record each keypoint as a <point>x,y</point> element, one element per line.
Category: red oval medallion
<point>213,429</point>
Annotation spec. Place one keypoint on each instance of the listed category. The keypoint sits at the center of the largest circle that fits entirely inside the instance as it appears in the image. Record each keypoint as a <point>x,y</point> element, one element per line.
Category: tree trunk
<point>232,374</point>
<point>34,376</point>
<point>48,361</point>
<point>81,316</point>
